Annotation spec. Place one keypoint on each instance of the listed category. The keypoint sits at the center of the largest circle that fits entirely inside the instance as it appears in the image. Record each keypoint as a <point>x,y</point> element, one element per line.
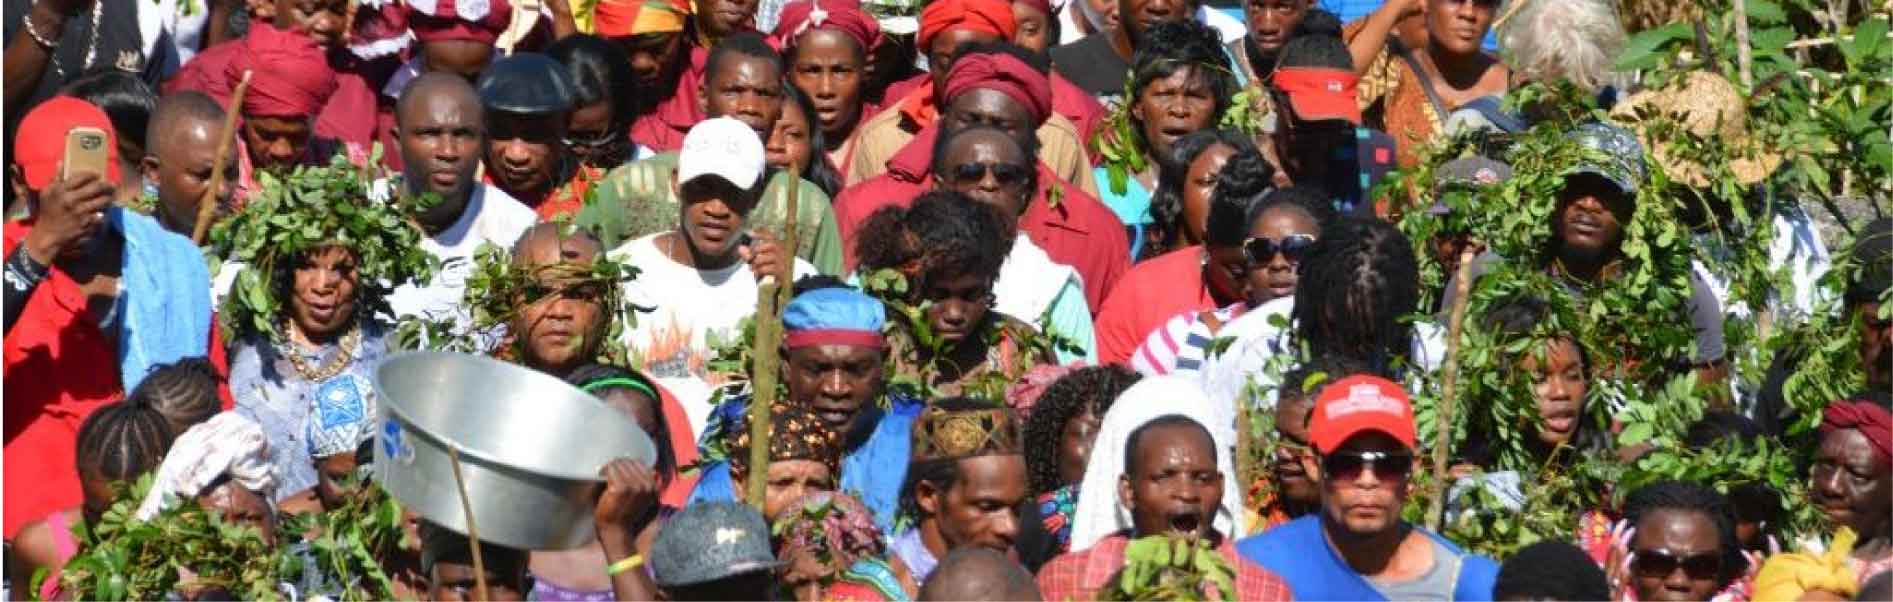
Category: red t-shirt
<point>59,368</point>
<point>1153,291</point>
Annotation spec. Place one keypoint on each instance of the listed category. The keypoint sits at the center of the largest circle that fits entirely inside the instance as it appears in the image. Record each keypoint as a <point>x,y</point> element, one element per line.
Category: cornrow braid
<point>1356,282</point>
<point>184,392</point>
<point>122,441</point>
<point>1092,390</point>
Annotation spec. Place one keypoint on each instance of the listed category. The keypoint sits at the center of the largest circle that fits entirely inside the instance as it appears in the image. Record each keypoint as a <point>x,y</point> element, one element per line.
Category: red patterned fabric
<point>1873,421</point>
<point>990,16</point>
<point>289,74</point>
<point>1068,100</point>
<point>1079,575</point>
<point>844,16</point>
<point>1002,73</point>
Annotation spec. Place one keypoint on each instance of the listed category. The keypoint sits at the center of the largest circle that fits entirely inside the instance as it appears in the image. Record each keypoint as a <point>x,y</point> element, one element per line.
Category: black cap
<point>526,83</point>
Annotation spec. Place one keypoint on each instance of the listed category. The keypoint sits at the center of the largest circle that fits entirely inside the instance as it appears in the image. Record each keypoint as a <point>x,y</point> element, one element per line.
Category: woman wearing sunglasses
<point>1253,245</point>
<point>1677,542</point>
<point>1363,434</point>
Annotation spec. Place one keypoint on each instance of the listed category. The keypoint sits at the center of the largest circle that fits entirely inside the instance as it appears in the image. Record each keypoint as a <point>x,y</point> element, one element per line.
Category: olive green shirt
<point>635,199</point>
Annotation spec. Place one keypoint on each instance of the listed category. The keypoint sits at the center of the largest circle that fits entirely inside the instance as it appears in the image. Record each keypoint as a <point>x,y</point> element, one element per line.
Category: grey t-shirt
<point>1435,585</point>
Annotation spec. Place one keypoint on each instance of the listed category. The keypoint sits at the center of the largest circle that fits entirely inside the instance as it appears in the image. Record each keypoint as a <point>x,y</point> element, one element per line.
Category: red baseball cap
<point>1358,404</point>
<point>1320,94</point>
<point>41,140</point>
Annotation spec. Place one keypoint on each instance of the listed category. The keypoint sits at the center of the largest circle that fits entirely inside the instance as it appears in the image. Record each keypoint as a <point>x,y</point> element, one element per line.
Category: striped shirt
<point>1182,343</point>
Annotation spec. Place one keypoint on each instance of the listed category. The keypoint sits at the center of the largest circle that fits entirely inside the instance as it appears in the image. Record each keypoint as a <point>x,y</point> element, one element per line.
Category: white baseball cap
<point>721,147</point>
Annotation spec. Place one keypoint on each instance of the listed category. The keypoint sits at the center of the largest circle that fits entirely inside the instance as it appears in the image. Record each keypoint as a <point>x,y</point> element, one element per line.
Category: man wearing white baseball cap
<point>701,276</point>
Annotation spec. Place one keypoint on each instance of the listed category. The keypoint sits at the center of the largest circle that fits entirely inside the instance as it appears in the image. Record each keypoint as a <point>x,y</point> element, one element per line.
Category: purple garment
<point>545,591</point>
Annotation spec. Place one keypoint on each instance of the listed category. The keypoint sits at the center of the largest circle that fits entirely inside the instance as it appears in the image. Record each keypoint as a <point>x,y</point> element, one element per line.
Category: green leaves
<point>1644,50</point>
<point>308,209</point>
<point>1163,567</point>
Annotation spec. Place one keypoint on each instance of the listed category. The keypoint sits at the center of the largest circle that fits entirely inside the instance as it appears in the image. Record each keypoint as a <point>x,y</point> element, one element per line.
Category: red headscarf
<point>1044,6</point>
<point>439,20</point>
<point>1005,74</point>
<point>844,16</point>
<point>289,75</point>
<point>990,16</point>
<point>1869,418</point>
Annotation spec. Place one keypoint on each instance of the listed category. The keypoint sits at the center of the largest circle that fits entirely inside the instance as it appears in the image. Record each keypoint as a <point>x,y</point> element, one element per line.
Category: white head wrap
<point>1099,512</point>
<point>226,444</point>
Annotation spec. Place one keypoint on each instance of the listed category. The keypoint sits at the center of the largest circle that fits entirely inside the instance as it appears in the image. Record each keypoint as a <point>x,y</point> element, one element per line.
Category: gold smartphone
<point>85,152</point>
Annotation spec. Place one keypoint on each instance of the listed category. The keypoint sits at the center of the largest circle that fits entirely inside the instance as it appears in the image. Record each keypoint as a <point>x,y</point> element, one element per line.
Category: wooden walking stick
<point>207,206</point>
<point>771,297</point>
<point>473,531</point>
<point>1443,418</point>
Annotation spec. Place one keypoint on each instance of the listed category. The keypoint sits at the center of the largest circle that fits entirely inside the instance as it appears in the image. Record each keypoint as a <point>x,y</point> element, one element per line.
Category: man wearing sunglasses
<point>990,168</point>
<point>1357,547</point>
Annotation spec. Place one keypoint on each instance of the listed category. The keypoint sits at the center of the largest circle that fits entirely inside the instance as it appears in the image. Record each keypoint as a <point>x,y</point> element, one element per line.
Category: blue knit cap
<point>834,316</point>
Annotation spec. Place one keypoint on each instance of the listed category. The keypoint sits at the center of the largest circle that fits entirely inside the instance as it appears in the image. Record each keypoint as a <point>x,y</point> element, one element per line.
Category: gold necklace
<point>344,353</point>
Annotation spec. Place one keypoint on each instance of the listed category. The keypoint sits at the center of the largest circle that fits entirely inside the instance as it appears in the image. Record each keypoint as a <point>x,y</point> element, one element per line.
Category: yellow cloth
<point>1787,576</point>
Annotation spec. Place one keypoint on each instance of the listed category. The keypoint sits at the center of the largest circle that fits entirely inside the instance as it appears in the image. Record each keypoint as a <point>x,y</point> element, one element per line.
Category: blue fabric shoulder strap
<point>876,471</point>
<point>166,284</point>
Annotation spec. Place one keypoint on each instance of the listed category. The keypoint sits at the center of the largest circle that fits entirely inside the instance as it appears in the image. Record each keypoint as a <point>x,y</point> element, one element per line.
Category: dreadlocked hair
<point>942,236</point>
<point>1087,390</point>
<point>1356,282</point>
<point>1240,185</point>
<point>184,392</point>
<point>123,440</point>
<point>604,374</point>
<point>1686,496</point>
<point>1172,46</point>
<point>1173,172</point>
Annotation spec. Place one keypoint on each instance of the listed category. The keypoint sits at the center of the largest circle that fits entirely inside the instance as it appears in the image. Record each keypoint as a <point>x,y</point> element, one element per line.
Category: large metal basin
<point>530,447</point>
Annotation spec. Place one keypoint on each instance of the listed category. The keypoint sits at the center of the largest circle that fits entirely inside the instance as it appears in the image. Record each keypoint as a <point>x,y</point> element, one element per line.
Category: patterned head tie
<point>943,434</point>
<point>794,434</point>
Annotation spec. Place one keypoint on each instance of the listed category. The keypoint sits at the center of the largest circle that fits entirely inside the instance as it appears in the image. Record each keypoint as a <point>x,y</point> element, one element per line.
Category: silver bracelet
<point>32,31</point>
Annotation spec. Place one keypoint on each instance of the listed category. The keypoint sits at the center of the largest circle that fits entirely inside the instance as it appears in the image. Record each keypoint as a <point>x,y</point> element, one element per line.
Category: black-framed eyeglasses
<point>1344,466</point>
<point>1262,249</point>
<point>1662,563</point>
<point>1006,174</point>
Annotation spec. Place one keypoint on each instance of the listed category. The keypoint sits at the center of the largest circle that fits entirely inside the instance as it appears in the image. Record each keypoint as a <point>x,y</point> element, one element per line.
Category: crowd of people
<point>1105,299</point>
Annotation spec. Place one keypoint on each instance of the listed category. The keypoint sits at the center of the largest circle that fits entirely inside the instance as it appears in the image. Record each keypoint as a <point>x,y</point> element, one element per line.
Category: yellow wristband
<point>635,561</point>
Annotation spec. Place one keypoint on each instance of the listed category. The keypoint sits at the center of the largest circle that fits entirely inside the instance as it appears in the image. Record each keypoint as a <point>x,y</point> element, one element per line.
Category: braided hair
<point>123,440</point>
<point>1173,171</point>
<point>1242,182</point>
<point>1686,496</point>
<point>184,392</point>
<point>1356,282</point>
<point>603,379</point>
<point>1087,390</point>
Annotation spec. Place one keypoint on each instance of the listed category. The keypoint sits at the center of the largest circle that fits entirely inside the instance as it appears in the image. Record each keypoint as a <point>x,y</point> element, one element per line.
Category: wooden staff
<point>771,297</point>
<point>1443,418</point>
<point>207,206</point>
<point>473,531</point>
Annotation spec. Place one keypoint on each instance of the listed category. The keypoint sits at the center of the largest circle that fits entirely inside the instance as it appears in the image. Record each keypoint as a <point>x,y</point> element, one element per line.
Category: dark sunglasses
<point>1262,249</point>
<point>1346,466</point>
<point>1661,563</point>
<point>1006,174</point>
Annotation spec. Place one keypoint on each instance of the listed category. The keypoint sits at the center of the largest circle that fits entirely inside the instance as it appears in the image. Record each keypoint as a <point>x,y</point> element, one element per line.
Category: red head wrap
<point>1870,418</point>
<point>1005,74</point>
<point>1044,6</point>
<point>844,16</point>
<point>472,20</point>
<point>289,74</point>
<point>990,16</point>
